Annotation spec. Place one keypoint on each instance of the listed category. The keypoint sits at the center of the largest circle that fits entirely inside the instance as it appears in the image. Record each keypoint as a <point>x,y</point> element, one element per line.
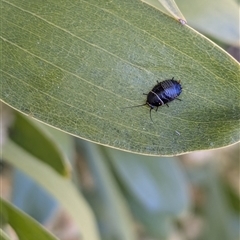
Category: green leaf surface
<point>157,184</point>
<point>155,188</point>
<point>25,227</point>
<point>221,223</point>
<point>216,18</point>
<point>61,188</point>
<point>29,135</point>
<point>106,199</point>
<point>173,9</point>
<point>76,65</point>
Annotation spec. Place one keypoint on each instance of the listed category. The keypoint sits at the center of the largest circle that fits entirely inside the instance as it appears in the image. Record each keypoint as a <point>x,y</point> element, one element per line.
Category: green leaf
<point>29,135</point>
<point>106,199</point>
<point>157,184</point>
<point>221,223</point>
<point>172,8</point>
<point>61,188</point>
<point>216,18</point>
<point>25,227</point>
<point>76,65</point>
<point>155,188</point>
<point>3,235</point>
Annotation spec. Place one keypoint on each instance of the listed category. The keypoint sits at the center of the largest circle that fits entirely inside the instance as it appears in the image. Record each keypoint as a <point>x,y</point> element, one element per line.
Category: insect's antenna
<point>136,106</point>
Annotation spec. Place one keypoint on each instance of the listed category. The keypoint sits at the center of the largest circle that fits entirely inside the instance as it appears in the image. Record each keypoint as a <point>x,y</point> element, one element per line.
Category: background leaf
<point>76,64</point>
<point>29,135</point>
<point>105,197</point>
<point>157,184</point>
<point>216,18</point>
<point>172,8</point>
<point>3,235</point>
<point>25,227</point>
<point>220,223</point>
<point>61,188</point>
<point>156,189</point>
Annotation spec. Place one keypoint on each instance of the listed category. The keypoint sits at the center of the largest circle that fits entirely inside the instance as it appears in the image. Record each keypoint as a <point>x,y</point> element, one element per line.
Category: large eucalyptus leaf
<point>76,65</point>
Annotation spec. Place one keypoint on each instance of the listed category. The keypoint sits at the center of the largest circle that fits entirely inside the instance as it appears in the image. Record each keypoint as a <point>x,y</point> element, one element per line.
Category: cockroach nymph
<point>161,94</point>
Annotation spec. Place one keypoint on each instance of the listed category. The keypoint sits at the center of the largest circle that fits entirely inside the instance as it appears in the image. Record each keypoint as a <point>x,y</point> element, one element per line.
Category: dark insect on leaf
<point>161,94</point>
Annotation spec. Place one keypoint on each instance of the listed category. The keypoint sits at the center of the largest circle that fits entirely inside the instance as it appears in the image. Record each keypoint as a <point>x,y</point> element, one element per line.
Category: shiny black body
<point>163,93</point>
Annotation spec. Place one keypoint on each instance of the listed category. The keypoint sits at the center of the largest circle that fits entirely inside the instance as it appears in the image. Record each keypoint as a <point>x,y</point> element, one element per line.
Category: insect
<point>162,93</point>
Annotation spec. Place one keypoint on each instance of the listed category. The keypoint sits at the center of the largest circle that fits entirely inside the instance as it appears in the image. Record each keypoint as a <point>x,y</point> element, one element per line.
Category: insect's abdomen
<point>164,92</point>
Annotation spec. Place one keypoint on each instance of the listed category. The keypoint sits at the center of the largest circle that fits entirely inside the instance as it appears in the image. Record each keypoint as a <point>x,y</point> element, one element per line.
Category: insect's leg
<point>179,99</point>
<point>145,94</point>
<point>167,104</point>
<point>172,78</point>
